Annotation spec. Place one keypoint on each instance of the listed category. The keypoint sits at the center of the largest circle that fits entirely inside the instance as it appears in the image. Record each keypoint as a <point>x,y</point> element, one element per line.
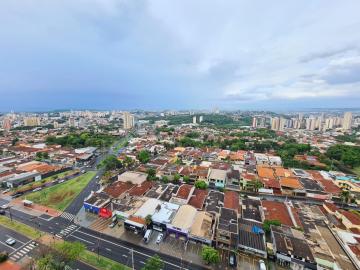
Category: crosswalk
<point>68,230</point>
<point>24,250</point>
<point>67,216</point>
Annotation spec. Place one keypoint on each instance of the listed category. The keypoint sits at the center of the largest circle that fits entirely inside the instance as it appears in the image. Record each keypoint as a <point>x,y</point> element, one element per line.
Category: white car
<point>10,241</point>
<point>6,191</point>
<point>159,238</point>
<point>61,181</point>
<point>262,265</point>
<point>97,177</point>
<point>37,189</point>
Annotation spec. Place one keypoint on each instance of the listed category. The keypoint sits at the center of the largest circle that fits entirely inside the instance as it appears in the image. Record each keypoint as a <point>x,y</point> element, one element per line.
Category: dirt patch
<point>56,198</point>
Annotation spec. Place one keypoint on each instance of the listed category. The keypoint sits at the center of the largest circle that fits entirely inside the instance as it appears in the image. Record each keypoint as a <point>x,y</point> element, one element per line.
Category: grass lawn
<point>103,263</point>
<point>356,170</point>
<point>43,181</point>
<point>19,227</point>
<point>61,195</point>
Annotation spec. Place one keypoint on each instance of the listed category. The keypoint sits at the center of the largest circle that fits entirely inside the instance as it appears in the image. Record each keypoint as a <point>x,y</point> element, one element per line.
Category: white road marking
<point>135,251</point>
<point>86,241</point>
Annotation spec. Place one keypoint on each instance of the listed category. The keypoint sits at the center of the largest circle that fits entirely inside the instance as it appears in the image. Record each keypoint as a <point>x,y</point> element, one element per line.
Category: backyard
<point>61,195</point>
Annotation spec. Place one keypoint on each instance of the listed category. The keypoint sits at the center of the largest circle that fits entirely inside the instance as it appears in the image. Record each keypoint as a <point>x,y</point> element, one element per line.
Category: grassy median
<point>61,195</point>
<point>102,263</point>
<point>19,227</point>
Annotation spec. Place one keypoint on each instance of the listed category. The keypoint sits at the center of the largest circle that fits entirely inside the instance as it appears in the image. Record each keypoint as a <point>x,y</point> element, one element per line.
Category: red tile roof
<point>140,190</point>
<point>198,198</point>
<point>118,188</point>
<point>329,186</point>
<point>353,218</point>
<point>231,200</point>
<point>184,191</point>
<point>332,207</point>
<point>277,211</point>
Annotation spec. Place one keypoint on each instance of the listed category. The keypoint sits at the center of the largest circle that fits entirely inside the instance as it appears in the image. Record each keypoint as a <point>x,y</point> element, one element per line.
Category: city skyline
<point>156,55</point>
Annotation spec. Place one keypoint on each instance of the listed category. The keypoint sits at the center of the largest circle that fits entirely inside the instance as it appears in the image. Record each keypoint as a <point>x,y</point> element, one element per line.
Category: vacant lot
<point>61,195</point>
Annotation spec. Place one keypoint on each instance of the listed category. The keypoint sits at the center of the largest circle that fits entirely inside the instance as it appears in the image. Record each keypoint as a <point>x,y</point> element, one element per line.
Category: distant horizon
<point>155,55</point>
<point>352,109</point>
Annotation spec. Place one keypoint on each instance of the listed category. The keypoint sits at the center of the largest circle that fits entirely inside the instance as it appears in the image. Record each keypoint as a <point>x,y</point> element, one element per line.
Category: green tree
<point>164,179</point>
<point>176,178</point>
<point>268,223</point>
<point>110,163</point>
<point>14,141</point>
<point>210,255</point>
<point>257,185</point>
<point>345,196</point>
<point>153,263</point>
<point>143,156</point>
<point>148,220</point>
<point>201,184</point>
<point>69,251</point>
<point>151,174</point>
<point>186,179</point>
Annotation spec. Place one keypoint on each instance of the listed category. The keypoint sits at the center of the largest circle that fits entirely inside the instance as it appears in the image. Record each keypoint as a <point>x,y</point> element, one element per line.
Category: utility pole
<point>132,258</point>
<point>9,207</point>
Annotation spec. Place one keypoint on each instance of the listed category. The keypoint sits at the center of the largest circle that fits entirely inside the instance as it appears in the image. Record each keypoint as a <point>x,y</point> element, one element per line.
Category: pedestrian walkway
<point>68,230</point>
<point>67,216</point>
<point>24,250</point>
<point>100,224</point>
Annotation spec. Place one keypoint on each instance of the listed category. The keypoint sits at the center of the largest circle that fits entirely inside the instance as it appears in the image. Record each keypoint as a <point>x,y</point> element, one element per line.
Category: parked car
<point>147,236</point>
<point>159,238</point>
<point>6,191</point>
<point>112,225</point>
<point>97,177</point>
<point>83,171</point>
<point>16,195</point>
<point>10,241</point>
<point>232,259</point>
<point>262,265</point>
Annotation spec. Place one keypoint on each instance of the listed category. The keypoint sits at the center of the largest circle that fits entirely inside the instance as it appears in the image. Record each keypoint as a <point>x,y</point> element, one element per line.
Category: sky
<point>179,54</point>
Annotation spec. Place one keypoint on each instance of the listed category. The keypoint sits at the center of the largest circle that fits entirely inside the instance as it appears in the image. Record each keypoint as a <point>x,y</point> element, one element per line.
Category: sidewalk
<point>34,209</point>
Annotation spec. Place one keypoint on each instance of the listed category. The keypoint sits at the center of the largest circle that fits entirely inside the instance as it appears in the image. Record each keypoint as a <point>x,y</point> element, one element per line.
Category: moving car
<point>6,191</point>
<point>10,241</point>
<point>159,238</point>
<point>97,177</point>
<point>262,265</point>
<point>37,189</point>
<point>61,181</point>
<point>232,259</point>
<point>2,212</point>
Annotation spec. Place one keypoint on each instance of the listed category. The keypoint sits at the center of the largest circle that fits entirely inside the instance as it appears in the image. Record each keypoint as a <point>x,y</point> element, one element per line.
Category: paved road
<point>107,246</point>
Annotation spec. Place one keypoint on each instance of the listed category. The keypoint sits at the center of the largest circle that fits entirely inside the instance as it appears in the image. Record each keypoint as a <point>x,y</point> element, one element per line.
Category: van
<point>147,236</point>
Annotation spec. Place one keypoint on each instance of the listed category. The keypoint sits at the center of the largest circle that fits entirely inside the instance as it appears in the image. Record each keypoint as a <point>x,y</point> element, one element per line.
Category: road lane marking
<point>86,241</point>
<point>135,251</point>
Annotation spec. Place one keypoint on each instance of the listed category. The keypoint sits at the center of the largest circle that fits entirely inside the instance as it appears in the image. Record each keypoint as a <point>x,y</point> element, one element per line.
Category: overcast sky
<point>109,54</point>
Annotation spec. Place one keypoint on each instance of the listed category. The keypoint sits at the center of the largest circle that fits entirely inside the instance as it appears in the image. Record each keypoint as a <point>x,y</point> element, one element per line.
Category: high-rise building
<point>31,121</point>
<point>254,122</point>
<point>201,118</point>
<point>194,119</point>
<point>129,120</point>
<point>282,124</point>
<point>275,123</point>
<point>71,122</point>
<point>7,124</point>
<point>347,121</point>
